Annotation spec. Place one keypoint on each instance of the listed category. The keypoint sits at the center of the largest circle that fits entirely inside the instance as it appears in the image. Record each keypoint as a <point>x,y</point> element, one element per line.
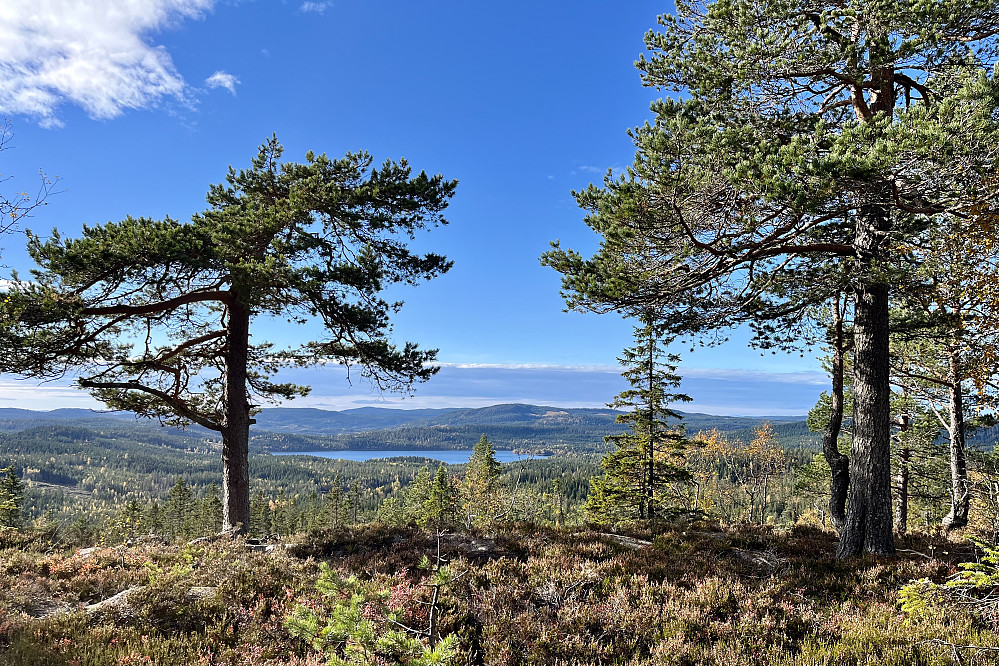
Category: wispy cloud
<point>222,79</point>
<point>715,391</point>
<point>722,374</point>
<point>92,53</point>
<point>315,7</point>
<point>532,366</point>
<point>30,394</point>
<point>616,170</point>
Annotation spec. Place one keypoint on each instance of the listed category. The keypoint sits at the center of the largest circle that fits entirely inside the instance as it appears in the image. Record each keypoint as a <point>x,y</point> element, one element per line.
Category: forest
<point>823,177</point>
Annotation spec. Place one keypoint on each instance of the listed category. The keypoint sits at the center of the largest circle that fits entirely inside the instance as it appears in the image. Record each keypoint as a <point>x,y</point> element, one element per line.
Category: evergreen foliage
<point>802,146</point>
<point>648,458</point>
<point>155,315</point>
<point>360,625</point>
<point>482,483</point>
<point>11,498</point>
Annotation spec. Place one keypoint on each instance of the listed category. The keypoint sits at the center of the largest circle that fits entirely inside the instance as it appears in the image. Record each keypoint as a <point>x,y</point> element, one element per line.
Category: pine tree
<point>154,316</point>
<point>804,143</point>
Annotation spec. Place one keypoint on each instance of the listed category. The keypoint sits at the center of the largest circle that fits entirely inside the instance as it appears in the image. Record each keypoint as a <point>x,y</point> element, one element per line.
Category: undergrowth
<point>529,595</point>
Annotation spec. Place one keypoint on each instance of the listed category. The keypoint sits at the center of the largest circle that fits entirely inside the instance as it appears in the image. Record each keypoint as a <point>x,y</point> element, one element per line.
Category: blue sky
<point>138,107</point>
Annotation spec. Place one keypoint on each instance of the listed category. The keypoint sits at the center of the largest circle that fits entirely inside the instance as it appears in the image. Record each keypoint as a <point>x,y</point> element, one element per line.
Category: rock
<point>43,608</point>
<point>627,542</point>
<point>758,558</point>
<point>199,593</point>
<point>119,601</point>
<point>473,547</point>
<point>123,600</point>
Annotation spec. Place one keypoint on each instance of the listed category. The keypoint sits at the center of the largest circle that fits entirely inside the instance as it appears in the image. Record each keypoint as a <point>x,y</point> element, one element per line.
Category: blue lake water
<point>449,456</point>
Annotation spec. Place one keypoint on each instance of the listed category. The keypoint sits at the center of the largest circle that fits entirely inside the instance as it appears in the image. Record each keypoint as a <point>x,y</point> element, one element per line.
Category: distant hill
<point>12,419</point>
<point>308,420</point>
<point>508,426</point>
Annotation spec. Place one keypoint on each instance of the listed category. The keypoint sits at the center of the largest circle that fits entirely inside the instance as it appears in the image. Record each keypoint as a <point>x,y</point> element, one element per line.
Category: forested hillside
<point>526,427</point>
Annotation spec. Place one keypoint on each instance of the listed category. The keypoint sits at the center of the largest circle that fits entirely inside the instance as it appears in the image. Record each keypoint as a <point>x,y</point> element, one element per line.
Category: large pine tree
<point>804,141</point>
<point>155,315</point>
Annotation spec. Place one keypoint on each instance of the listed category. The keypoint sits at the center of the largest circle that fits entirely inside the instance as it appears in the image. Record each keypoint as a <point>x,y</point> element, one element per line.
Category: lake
<point>449,456</point>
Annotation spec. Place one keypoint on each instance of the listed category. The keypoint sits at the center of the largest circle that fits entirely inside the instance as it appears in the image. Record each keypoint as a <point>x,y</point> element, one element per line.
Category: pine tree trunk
<point>651,460</point>
<point>839,464</point>
<point>960,499</point>
<point>236,426</point>
<point>869,513</point>
<point>902,505</point>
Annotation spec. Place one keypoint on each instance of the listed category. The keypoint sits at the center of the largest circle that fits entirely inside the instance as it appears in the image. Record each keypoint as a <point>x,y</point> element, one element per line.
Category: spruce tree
<point>483,469</point>
<point>648,457</point>
<point>440,509</point>
<point>418,494</point>
<point>210,510</point>
<point>12,496</point>
<point>335,505</point>
<point>180,509</point>
<point>482,482</point>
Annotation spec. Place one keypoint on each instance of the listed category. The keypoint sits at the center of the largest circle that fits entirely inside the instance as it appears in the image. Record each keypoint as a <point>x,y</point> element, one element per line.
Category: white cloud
<point>222,79</point>
<point>92,53</point>
<point>531,366</point>
<point>715,391</point>
<point>806,377</point>
<point>315,7</point>
<point>31,394</point>
<point>616,171</point>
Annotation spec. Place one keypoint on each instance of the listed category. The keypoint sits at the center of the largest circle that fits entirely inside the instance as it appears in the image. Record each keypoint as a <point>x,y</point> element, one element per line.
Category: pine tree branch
<point>178,405</point>
<point>160,306</point>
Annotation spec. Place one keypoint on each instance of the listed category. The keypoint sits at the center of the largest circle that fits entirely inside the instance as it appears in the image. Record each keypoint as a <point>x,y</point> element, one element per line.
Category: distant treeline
<point>76,472</point>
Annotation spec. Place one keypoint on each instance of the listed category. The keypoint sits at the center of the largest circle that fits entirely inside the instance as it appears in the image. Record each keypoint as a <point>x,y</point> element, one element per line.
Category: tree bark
<point>869,513</point>
<point>960,497</point>
<point>902,506</point>
<point>651,453</point>
<point>839,463</point>
<point>236,427</point>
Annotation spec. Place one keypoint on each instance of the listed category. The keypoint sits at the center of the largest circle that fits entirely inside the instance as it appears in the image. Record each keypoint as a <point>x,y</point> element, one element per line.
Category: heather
<point>690,593</point>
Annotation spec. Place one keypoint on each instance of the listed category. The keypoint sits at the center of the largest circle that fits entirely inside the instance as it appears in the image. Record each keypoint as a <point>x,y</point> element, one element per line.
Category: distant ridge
<point>508,426</point>
<point>310,420</point>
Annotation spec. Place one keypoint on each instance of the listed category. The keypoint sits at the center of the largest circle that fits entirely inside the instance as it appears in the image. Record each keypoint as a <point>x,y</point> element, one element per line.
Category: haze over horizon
<point>716,392</point>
